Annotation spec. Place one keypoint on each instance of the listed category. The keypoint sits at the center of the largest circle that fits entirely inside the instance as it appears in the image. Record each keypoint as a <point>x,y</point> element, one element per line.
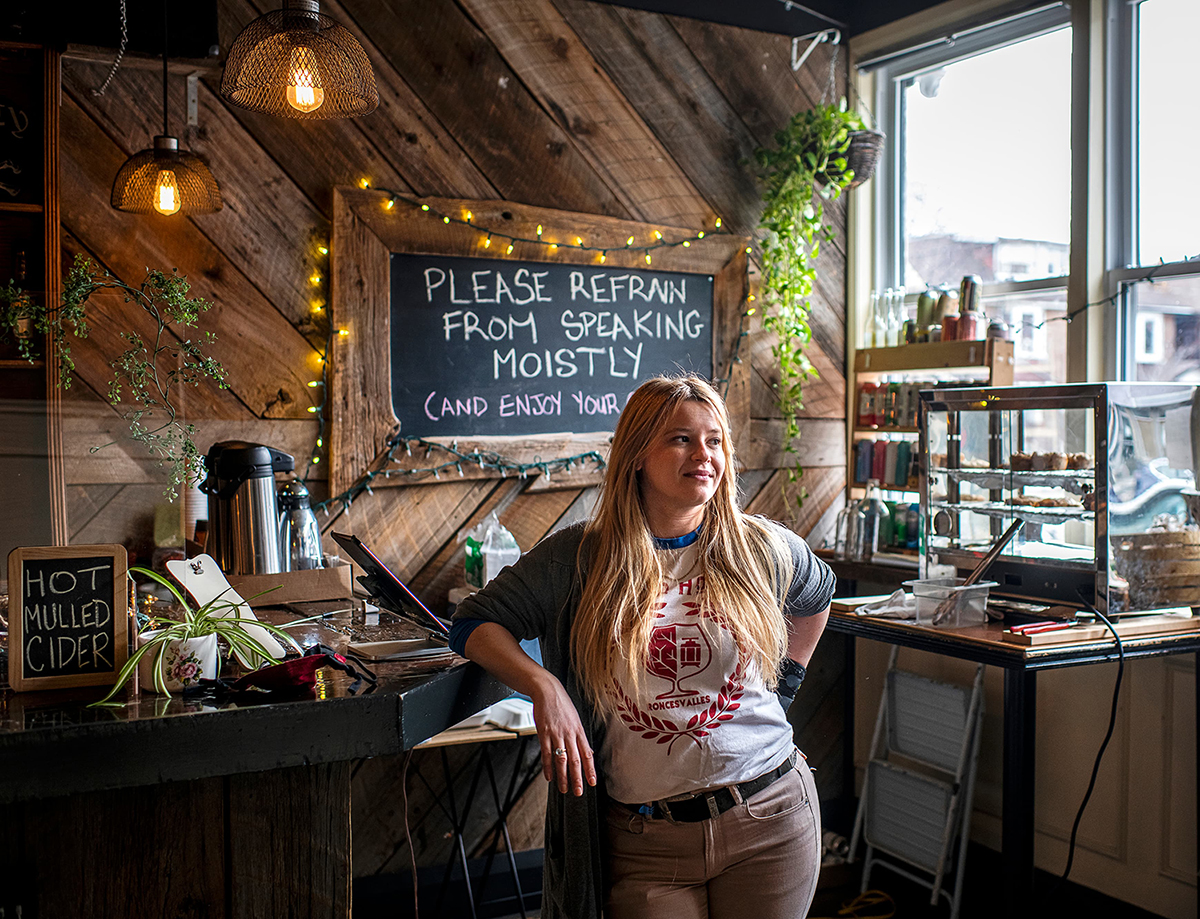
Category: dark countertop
<point>52,744</point>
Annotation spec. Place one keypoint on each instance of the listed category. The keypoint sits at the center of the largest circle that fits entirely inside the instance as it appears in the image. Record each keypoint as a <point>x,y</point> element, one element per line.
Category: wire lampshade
<point>299,63</point>
<point>166,180</point>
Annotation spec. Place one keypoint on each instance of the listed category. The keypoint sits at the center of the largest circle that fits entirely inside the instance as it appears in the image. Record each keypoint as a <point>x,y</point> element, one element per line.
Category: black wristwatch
<point>791,675</point>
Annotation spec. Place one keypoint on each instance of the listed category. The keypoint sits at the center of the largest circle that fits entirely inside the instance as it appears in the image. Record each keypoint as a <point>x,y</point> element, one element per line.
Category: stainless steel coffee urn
<point>243,512</point>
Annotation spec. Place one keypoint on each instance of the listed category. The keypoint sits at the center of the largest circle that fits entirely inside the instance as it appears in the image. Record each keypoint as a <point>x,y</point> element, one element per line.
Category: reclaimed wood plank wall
<point>567,104</point>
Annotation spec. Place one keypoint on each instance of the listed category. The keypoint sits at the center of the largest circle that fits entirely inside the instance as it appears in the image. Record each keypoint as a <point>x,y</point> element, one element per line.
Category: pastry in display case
<point>1103,475</point>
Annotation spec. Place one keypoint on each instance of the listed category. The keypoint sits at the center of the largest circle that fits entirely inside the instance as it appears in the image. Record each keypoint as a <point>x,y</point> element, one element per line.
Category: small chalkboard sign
<point>67,616</point>
<point>492,347</point>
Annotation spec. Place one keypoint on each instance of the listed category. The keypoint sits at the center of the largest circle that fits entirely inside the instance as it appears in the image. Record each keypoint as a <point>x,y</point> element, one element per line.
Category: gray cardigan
<point>537,598</point>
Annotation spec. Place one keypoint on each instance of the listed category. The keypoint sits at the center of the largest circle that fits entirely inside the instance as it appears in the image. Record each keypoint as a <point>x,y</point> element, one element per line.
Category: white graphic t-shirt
<point>702,716</point>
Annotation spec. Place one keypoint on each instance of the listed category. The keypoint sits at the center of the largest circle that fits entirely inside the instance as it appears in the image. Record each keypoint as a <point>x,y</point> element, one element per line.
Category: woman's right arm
<point>494,648</point>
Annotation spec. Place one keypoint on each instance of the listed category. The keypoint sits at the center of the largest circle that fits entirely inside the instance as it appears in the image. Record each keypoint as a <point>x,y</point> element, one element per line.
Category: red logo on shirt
<point>677,653</point>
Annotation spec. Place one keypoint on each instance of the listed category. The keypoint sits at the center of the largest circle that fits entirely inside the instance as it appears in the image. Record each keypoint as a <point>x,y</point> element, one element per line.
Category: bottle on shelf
<point>926,305</point>
<point>895,318</point>
<point>873,333</point>
<point>879,307</point>
<point>868,515</point>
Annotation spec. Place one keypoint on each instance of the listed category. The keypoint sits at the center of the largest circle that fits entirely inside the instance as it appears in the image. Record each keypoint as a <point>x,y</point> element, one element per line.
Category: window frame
<point>1125,267</point>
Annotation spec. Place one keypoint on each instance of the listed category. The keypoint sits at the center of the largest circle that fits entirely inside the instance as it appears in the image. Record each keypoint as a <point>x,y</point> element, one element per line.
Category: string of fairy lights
<point>447,460</point>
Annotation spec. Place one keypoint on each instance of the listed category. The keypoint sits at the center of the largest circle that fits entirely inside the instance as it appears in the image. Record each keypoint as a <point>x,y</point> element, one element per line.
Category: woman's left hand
<point>566,754</point>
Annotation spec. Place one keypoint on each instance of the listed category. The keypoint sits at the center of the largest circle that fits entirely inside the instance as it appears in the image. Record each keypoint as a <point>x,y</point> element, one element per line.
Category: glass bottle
<point>897,313</point>
<point>876,336</point>
<point>868,516</point>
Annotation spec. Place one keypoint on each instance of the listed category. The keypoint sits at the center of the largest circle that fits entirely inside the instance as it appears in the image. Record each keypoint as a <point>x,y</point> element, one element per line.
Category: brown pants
<point>759,858</point>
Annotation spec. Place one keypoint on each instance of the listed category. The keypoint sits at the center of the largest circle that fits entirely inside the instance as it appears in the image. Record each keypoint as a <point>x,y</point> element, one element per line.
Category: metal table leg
<point>1020,710</point>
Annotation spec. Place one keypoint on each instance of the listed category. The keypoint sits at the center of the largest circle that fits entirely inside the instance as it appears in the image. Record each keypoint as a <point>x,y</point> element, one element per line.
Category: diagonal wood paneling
<point>824,397</point>
<point>549,57</point>
<point>677,100</point>
<point>274,360</point>
<point>459,75</point>
<point>267,226</point>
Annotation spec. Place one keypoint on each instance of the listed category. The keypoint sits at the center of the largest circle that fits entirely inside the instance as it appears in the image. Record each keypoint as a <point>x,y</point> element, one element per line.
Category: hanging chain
<point>120,54</point>
<point>830,84</point>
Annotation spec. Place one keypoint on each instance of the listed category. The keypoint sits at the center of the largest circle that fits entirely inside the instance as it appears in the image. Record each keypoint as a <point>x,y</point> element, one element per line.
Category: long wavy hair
<point>747,567</point>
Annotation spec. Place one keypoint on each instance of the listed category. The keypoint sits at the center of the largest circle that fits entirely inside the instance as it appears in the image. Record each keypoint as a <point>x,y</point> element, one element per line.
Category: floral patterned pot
<point>185,663</point>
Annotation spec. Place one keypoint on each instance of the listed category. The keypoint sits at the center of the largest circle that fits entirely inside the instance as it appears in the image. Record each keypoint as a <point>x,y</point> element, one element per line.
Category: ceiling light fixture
<point>299,63</point>
<point>164,178</point>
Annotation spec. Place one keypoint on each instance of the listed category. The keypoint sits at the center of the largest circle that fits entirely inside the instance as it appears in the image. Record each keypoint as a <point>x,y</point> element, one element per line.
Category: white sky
<point>989,155</point>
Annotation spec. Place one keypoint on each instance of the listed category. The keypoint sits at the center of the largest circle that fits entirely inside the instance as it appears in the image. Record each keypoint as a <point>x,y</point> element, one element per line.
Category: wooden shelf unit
<point>989,361</point>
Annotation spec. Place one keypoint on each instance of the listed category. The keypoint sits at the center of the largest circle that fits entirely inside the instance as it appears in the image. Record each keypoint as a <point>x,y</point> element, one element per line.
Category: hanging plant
<point>151,413</point>
<point>807,167</point>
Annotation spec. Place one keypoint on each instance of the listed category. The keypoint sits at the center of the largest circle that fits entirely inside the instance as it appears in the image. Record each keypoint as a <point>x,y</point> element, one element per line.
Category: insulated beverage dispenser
<point>243,512</point>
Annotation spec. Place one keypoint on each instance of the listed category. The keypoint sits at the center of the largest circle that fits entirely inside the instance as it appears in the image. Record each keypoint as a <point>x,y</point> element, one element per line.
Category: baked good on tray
<point>1021,462</point>
<point>1079,461</point>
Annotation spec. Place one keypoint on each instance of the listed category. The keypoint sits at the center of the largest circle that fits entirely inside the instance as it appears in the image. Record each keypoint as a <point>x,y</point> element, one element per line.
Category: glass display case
<point>1103,474</point>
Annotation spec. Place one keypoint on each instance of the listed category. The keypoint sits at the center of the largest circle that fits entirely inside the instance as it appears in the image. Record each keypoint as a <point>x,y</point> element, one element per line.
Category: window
<point>978,176</point>
<point>1168,193</point>
<point>1156,275</point>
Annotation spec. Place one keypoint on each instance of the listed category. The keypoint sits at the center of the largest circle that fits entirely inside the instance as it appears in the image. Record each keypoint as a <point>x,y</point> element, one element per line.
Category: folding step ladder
<point>920,781</point>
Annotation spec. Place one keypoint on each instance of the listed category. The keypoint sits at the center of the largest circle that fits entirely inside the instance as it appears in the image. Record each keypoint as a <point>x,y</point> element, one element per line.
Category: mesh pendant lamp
<point>299,63</point>
<point>165,179</point>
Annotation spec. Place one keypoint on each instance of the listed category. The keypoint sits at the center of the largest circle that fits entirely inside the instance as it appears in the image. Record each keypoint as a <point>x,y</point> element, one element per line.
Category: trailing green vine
<point>146,371</point>
<point>806,168</point>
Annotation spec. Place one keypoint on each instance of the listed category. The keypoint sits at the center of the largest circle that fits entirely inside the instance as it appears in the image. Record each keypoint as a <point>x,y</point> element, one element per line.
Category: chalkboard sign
<point>497,347</point>
<point>67,612</point>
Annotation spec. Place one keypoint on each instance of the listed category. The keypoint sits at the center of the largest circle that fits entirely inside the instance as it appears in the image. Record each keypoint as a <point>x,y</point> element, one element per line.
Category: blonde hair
<point>747,567</point>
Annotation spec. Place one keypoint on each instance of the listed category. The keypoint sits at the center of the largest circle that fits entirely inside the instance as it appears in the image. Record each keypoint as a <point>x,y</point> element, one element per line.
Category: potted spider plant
<point>177,653</point>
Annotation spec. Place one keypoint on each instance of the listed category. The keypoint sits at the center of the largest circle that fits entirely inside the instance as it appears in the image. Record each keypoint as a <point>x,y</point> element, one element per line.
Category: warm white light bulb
<point>166,193</point>
<point>303,94</point>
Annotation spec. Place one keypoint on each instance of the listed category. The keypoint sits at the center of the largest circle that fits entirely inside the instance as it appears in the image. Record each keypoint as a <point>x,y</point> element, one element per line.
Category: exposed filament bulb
<point>166,193</point>
<point>303,93</point>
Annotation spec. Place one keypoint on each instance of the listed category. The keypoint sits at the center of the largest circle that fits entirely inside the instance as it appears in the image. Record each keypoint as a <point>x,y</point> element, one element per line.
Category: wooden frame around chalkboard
<point>16,606</point>
<point>366,232</point>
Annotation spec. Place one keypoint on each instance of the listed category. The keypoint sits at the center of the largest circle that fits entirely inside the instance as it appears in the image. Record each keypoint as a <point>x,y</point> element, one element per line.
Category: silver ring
<point>560,751</point>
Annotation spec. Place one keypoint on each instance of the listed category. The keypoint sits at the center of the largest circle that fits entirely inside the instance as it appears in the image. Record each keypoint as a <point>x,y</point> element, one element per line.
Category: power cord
<point>412,856</point>
<point>1112,723</point>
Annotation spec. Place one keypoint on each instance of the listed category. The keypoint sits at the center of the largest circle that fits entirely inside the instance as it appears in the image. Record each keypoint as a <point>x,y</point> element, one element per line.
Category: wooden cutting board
<point>1128,628</point>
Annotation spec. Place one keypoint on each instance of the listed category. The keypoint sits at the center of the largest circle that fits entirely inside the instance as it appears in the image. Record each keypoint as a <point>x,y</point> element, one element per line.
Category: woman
<point>667,624</point>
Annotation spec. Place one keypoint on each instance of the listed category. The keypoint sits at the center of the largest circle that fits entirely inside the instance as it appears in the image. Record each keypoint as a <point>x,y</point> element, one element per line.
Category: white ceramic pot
<point>184,664</point>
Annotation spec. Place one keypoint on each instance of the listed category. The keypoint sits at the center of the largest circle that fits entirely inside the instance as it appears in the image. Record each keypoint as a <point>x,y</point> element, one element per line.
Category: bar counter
<point>175,801</point>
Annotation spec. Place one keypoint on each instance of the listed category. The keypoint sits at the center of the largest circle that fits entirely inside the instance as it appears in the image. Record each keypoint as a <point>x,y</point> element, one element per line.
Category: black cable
<point>1112,723</point>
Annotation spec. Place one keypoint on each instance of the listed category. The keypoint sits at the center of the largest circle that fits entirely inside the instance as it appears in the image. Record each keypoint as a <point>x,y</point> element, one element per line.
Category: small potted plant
<point>177,653</point>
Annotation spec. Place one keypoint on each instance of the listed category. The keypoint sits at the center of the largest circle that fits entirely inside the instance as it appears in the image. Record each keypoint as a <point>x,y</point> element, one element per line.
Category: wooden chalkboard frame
<point>366,232</point>
<point>16,606</point>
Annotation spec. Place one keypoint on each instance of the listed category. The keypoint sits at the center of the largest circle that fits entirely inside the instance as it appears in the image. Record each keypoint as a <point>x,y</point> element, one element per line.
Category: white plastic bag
<point>490,547</point>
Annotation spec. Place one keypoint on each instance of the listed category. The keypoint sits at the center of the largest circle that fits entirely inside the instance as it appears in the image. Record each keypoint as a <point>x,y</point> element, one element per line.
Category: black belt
<point>702,806</point>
